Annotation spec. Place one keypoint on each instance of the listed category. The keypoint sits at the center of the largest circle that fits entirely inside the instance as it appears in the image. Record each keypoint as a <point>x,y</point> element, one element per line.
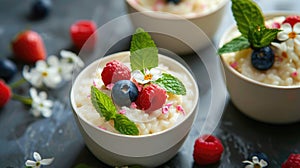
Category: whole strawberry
<point>151,98</point>
<point>5,93</point>
<point>28,46</point>
<point>82,32</point>
<point>293,161</point>
<point>292,20</point>
<point>208,149</point>
<point>115,71</point>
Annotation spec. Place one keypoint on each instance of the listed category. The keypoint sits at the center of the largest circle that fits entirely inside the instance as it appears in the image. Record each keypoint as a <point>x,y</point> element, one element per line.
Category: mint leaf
<point>262,36</point>
<point>234,45</point>
<point>143,51</point>
<point>171,84</point>
<point>246,13</point>
<point>124,125</point>
<point>103,104</point>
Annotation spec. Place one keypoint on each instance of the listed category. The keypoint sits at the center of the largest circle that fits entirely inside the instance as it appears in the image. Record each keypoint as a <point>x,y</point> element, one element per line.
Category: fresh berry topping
<point>293,161</point>
<point>83,32</point>
<point>174,1</point>
<point>208,149</point>
<point>115,71</point>
<point>262,58</point>
<point>292,20</point>
<point>29,47</point>
<point>151,98</point>
<point>5,93</point>
<point>124,92</point>
<point>41,8</point>
<point>7,68</point>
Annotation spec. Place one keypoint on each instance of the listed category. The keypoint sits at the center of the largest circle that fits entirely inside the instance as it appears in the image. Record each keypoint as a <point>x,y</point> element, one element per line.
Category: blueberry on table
<point>7,69</point>
<point>124,92</point>
<point>41,8</point>
<point>262,58</point>
<point>174,1</point>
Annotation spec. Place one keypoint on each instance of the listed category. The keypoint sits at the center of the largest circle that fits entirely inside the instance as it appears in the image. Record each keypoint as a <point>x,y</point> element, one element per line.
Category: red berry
<point>115,71</point>
<point>28,46</point>
<point>83,31</point>
<point>292,20</point>
<point>151,98</point>
<point>5,93</point>
<point>207,150</point>
<point>293,161</point>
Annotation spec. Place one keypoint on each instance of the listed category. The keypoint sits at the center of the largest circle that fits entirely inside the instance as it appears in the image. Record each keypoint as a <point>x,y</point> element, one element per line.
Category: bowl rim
<point>170,16</point>
<point>269,14</point>
<point>193,109</point>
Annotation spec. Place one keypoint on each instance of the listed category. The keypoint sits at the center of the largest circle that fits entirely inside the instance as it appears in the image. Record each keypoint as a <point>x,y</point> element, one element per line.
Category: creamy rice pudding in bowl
<point>262,65</point>
<point>135,109</point>
<point>180,26</point>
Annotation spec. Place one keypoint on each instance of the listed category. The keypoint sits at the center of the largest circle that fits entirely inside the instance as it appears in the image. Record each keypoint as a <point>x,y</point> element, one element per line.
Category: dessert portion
<point>137,96</point>
<point>180,7</point>
<point>264,50</point>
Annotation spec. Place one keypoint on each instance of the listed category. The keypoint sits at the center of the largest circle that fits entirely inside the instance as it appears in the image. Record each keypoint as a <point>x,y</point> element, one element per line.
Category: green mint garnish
<point>106,108</point>
<point>143,51</point>
<point>124,125</point>
<point>250,23</point>
<point>171,84</point>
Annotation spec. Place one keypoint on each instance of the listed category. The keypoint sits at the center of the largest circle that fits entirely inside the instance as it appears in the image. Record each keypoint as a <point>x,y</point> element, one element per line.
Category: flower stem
<point>23,99</point>
<point>17,83</point>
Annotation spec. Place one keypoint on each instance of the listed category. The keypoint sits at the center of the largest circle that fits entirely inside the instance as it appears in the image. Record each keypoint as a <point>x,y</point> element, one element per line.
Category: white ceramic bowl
<point>145,150</point>
<point>179,34</point>
<point>263,102</point>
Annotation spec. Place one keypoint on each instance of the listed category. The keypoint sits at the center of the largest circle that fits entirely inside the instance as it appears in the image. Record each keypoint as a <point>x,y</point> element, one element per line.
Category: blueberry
<point>7,69</point>
<point>41,8</point>
<point>124,92</point>
<point>262,58</point>
<point>174,1</point>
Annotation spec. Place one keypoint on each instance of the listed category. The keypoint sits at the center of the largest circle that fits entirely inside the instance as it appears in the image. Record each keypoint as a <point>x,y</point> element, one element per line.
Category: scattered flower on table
<point>38,161</point>
<point>255,163</point>
<point>40,104</point>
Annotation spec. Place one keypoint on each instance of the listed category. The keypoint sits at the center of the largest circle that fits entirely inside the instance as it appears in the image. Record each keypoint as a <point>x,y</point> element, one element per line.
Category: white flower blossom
<point>42,75</point>
<point>290,35</point>
<point>255,163</point>
<point>38,161</point>
<point>149,75</point>
<point>71,58</point>
<point>40,104</point>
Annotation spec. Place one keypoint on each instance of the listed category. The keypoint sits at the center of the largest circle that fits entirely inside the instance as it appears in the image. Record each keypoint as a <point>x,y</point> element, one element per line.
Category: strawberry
<point>28,46</point>
<point>81,31</point>
<point>115,71</point>
<point>292,20</point>
<point>5,93</point>
<point>208,149</point>
<point>293,161</point>
<point>151,98</point>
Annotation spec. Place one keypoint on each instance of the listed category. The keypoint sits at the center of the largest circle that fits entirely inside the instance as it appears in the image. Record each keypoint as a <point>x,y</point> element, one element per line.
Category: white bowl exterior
<point>266,103</point>
<point>178,34</point>
<point>136,146</point>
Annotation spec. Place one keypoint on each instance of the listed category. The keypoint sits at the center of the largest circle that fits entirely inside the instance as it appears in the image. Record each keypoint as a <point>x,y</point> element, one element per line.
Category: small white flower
<point>42,75</point>
<point>38,161</point>
<point>255,163</point>
<point>290,35</point>
<point>40,104</point>
<point>72,58</point>
<point>149,75</point>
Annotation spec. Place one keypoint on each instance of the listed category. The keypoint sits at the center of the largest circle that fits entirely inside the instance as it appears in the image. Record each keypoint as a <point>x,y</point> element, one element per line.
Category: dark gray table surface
<point>58,136</point>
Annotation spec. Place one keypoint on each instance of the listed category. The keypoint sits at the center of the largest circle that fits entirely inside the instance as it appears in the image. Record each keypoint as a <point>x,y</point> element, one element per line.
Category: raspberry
<point>151,98</point>
<point>293,161</point>
<point>5,93</point>
<point>115,71</point>
<point>292,20</point>
<point>207,150</point>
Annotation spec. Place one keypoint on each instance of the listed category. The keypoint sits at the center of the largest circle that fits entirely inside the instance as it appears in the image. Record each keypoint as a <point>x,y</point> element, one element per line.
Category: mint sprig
<point>250,23</point>
<point>106,108</point>
<point>143,51</point>
<point>171,84</point>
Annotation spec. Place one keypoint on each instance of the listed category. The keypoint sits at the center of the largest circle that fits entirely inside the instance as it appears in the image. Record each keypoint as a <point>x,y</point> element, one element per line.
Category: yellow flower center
<point>256,165</point>
<point>292,35</point>
<point>148,77</point>
<point>44,74</point>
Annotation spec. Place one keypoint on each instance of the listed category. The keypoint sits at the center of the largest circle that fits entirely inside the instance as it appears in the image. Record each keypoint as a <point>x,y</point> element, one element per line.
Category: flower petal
<point>255,159</point>
<point>47,161</point>
<point>37,156</point>
<point>30,163</point>
<point>282,36</point>
<point>287,28</point>
<point>296,28</point>
<point>263,163</point>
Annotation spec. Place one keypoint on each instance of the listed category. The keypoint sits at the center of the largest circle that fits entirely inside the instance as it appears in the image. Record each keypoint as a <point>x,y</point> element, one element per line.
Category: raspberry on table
<point>293,161</point>
<point>5,93</point>
<point>115,71</point>
<point>208,149</point>
<point>151,98</point>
